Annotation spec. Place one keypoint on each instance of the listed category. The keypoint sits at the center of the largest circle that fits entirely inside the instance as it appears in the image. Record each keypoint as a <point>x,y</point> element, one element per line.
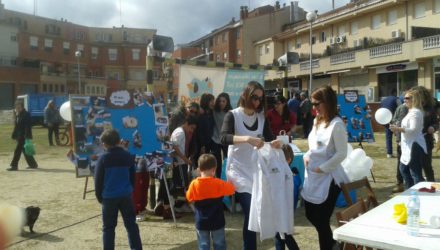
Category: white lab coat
<point>272,195</point>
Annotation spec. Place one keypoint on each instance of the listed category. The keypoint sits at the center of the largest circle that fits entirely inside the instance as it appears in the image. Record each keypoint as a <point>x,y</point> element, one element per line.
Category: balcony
<point>306,65</point>
<point>343,58</point>
<point>386,50</point>
<point>432,42</point>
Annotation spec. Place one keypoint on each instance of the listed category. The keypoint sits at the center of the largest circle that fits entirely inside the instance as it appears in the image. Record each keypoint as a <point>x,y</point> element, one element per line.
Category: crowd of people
<point>205,134</point>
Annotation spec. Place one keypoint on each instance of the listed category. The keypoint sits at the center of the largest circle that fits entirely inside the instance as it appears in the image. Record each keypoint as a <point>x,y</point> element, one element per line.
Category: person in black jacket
<point>22,131</point>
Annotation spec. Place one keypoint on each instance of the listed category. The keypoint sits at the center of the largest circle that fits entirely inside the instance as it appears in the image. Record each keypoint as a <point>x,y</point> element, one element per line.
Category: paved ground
<point>69,222</point>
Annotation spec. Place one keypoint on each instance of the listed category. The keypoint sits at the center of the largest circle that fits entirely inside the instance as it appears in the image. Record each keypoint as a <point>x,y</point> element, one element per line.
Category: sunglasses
<point>316,103</point>
<point>257,98</point>
<point>407,98</point>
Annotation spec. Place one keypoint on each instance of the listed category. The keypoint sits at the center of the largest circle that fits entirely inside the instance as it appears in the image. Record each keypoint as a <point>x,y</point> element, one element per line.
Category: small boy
<point>207,194</point>
<point>114,181</point>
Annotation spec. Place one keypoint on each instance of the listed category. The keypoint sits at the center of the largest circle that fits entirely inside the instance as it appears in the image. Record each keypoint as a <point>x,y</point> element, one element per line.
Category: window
<point>436,6</point>
<point>44,87</point>
<point>392,17</point>
<point>238,31</point>
<point>341,30</point>
<point>225,56</point>
<point>218,58</point>
<point>48,44</point>
<point>298,44</point>
<point>354,28</point>
<point>13,37</point>
<point>62,89</point>
<point>419,9</point>
<point>66,48</point>
<point>33,41</point>
<point>260,49</point>
<point>80,47</point>
<point>50,88</point>
<point>56,88</point>
<point>267,48</point>
<point>94,53</point>
<point>322,38</point>
<point>238,53</point>
<point>375,22</point>
<point>80,35</point>
<point>225,37</point>
<point>112,54</point>
<point>136,54</point>
<point>313,40</point>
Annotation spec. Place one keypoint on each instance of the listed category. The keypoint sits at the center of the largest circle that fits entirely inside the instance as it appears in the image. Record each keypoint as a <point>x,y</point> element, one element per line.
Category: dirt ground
<point>69,222</point>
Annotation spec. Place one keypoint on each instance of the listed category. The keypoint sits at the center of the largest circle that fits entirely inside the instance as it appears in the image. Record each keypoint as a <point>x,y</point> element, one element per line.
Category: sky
<point>183,20</point>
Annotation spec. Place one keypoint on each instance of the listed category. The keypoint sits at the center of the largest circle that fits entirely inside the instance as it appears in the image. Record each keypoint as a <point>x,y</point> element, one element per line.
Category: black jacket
<point>22,126</point>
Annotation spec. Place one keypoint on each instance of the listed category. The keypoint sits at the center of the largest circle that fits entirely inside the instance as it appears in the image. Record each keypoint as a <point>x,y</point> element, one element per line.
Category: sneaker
<point>12,169</point>
<point>389,156</point>
<point>141,217</point>
<point>398,188</point>
<point>32,167</point>
<point>158,209</point>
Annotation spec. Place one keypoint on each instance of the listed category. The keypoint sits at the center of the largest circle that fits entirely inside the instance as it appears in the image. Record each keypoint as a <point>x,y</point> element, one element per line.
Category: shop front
<point>395,79</point>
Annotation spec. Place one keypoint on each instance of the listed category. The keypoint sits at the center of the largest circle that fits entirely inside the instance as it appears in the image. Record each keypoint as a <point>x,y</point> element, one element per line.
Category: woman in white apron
<point>245,129</point>
<point>324,173</point>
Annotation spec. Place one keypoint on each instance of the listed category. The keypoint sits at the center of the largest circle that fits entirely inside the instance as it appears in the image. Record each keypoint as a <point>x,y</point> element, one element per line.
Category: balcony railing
<point>343,58</point>
<point>386,50</point>
<point>431,42</point>
<point>306,65</point>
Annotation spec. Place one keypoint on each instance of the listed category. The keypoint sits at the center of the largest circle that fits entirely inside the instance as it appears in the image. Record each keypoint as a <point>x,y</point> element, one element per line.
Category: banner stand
<point>85,188</point>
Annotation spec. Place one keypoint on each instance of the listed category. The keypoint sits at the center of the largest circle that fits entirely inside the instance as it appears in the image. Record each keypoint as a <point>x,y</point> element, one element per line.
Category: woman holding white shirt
<point>324,173</point>
<point>413,144</point>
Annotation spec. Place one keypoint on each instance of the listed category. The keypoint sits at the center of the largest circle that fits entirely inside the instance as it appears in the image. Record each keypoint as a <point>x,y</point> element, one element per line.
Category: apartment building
<point>373,46</point>
<point>39,56</point>
<point>234,42</point>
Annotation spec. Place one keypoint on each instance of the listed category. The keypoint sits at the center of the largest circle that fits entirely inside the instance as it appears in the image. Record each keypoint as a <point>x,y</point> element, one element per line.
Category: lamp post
<point>311,17</point>
<point>78,55</point>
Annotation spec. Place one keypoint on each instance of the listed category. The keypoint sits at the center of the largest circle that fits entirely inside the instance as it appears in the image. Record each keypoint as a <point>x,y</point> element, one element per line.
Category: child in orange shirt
<point>207,194</point>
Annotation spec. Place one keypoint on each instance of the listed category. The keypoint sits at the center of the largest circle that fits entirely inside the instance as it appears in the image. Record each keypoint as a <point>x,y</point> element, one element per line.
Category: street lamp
<point>311,17</point>
<point>78,55</point>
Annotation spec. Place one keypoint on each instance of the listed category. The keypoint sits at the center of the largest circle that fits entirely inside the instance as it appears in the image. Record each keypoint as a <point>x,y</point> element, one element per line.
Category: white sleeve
<point>339,139</point>
<point>178,137</point>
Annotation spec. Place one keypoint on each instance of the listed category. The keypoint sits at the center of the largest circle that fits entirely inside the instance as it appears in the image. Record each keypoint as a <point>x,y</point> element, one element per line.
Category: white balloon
<point>65,111</point>
<point>383,116</point>
<point>349,149</point>
<point>357,155</point>
<point>368,163</point>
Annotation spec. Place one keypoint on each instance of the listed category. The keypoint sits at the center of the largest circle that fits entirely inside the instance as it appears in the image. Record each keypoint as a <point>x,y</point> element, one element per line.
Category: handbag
<point>283,137</point>
<point>29,148</point>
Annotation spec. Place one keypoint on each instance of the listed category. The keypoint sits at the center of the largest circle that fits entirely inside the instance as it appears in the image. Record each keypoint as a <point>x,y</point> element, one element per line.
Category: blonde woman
<point>413,144</point>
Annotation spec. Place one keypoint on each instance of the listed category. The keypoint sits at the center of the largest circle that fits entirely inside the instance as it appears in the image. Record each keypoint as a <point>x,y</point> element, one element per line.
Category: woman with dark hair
<point>324,173</point>
<point>280,118</point>
<point>244,129</point>
<point>221,107</point>
<point>205,127</point>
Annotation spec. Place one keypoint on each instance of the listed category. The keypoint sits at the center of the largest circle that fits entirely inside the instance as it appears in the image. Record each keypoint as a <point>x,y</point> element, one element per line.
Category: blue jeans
<point>218,239</point>
<point>412,173</point>
<point>389,139</point>
<point>249,237</point>
<point>110,209</point>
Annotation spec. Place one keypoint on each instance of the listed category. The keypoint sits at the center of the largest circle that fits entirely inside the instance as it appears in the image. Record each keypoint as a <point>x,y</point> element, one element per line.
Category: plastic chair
<point>348,214</point>
<point>370,200</point>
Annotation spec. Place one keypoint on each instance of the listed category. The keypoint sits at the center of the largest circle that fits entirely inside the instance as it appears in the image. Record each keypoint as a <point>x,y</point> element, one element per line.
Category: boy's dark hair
<point>206,162</point>
<point>191,120</point>
<point>110,137</point>
<point>288,152</point>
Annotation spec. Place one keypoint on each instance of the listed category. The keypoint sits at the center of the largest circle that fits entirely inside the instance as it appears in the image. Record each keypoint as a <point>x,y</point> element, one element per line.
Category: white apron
<point>316,185</point>
<point>240,167</point>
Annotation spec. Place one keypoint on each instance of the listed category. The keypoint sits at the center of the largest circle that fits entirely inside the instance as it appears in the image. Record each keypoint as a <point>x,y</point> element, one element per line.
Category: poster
<point>356,114</point>
<point>196,80</point>
<point>142,125</point>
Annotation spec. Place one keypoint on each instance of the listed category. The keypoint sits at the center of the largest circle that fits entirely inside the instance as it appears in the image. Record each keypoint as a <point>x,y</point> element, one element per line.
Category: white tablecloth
<point>378,229</point>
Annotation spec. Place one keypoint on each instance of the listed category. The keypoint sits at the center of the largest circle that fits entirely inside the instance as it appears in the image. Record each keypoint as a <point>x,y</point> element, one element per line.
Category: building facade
<point>378,47</point>
<point>39,56</point>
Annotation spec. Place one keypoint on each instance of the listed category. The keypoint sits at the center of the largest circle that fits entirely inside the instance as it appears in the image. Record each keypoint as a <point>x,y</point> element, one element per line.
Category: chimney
<point>242,12</point>
<point>292,18</point>
<point>246,12</point>
<point>277,5</point>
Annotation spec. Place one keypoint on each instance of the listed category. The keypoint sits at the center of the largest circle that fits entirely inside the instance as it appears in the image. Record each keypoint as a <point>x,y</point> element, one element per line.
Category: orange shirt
<point>204,188</point>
